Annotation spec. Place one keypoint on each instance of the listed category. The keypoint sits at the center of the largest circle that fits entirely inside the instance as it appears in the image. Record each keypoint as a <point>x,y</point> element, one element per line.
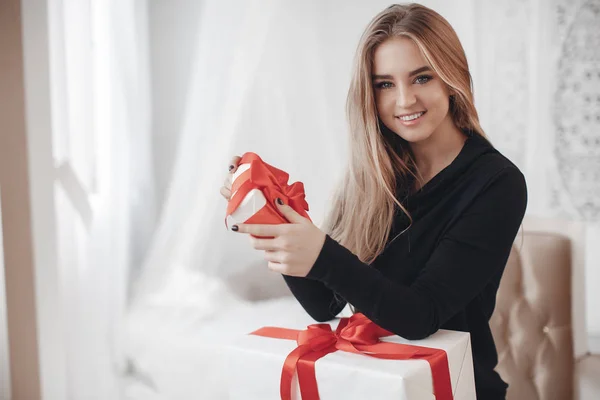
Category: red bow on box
<point>273,184</point>
<point>356,334</point>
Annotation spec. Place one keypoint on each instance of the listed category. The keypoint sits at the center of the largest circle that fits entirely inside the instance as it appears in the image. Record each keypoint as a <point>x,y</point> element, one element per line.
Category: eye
<point>382,85</point>
<point>423,79</point>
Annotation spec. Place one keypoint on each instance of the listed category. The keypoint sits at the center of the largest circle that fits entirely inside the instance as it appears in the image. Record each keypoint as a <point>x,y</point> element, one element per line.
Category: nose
<point>405,98</point>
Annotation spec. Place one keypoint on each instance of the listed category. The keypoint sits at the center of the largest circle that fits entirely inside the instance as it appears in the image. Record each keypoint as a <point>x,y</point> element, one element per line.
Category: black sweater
<point>443,272</point>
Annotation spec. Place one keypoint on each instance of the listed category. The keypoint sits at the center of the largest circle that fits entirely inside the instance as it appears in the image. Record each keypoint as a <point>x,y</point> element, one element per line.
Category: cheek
<point>436,97</point>
<point>385,105</point>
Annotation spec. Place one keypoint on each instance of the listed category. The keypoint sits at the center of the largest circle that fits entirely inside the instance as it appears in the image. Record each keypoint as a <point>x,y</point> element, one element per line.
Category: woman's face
<point>411,99</point>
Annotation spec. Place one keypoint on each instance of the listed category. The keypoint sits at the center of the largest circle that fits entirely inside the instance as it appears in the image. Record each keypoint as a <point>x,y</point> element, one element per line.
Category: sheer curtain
<point>269,77</point>
<point>104,190</point>
<point>257,85</point>
<point>538,94</point>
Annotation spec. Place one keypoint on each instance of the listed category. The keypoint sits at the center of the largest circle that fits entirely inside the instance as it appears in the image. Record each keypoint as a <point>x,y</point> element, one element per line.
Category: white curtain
<point>269,77</point>
<point>259,83</point>
<point>538,94</point>
<point>224,71</point>
<point>104,190</point>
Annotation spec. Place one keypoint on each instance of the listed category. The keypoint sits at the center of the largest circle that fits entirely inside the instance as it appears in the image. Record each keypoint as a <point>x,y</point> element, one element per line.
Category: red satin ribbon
<point>273,184</point>
<point>356,334</point>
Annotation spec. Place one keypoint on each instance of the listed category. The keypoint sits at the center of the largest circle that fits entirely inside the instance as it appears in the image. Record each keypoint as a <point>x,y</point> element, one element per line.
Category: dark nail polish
<point>235,228</point>
<point>231,167</point>
<point>279,201</point>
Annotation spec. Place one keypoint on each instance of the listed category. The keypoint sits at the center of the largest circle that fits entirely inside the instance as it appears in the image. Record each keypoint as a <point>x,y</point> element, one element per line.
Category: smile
<point>412,116</point>
<point>411,119</point>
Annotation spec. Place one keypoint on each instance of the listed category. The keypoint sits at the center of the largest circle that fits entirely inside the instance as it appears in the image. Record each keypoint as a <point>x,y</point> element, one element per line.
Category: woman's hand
<point>293,248</point>
<point>226,188</point>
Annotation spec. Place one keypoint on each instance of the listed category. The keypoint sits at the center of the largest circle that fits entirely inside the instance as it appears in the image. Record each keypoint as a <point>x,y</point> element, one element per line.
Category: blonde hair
<point>363,208</point>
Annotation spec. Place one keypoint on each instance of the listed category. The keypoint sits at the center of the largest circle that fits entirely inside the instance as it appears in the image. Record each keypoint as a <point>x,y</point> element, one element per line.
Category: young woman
<point>423,223</point>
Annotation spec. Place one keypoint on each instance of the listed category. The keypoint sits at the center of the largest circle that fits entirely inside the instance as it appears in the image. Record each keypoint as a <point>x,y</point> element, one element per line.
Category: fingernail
<point>235,228</point>
<point>231,167</point>
<point>279,201</point>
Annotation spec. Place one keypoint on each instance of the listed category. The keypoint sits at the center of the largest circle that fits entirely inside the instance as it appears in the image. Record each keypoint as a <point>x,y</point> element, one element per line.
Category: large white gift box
<point>254,366</point>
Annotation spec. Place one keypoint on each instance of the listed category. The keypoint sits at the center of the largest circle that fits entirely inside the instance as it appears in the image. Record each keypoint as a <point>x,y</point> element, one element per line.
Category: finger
<point>290,214</point>
<point>260,230</point>
<point>227,181</point>
<point>277,267</point>
<point>264,244</point>
<point>225,193</point>
<point>233,164</point>
<point>274,256</point>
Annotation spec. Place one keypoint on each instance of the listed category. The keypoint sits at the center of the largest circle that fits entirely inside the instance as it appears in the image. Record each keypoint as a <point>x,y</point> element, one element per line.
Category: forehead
<point>397,55</point>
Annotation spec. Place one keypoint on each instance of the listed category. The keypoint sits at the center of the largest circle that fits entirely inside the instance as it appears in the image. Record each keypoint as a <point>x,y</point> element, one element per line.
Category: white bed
<point>173,349</point>
<point>173,356</point>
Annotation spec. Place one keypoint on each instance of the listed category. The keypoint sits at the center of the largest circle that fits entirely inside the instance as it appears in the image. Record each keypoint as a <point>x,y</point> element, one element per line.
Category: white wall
<point>36,355</point>
<point>19,289</point>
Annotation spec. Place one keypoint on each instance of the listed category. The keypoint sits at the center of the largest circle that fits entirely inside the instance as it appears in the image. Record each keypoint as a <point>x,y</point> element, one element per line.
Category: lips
<point>411,119</point>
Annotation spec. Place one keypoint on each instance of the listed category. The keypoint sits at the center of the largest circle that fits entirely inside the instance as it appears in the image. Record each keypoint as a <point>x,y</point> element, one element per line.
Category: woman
<point>423,223</point>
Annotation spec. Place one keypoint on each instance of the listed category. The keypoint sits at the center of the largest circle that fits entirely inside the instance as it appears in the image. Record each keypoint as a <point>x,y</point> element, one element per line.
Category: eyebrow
<point>416,71</point>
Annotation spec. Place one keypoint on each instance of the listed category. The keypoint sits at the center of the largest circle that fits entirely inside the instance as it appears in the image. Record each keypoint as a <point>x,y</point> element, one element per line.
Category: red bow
<point>356,334</point>
<point>273,184</point>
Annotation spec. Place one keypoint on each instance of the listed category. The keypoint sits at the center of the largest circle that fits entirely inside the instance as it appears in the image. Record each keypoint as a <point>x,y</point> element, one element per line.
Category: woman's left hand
<point>293,248</point>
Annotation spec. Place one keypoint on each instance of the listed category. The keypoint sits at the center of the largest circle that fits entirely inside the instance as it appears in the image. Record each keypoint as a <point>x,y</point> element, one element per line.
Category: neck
<point>439,150</point>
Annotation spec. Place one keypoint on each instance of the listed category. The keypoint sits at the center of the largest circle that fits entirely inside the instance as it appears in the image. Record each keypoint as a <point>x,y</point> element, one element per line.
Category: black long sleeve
<point>472,252</point>
<point>316,298</point>
<point>444,271</point>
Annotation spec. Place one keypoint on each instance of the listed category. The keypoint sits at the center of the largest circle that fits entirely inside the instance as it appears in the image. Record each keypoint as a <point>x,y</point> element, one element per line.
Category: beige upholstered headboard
<point>532,322</point>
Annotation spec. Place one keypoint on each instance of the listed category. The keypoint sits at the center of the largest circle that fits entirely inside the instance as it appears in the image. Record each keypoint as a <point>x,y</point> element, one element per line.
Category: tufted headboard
<point>532,321</point>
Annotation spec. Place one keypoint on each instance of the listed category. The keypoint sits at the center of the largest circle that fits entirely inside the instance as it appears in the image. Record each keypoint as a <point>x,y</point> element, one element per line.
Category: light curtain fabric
<point>101,146</point>
<point>538,93</point>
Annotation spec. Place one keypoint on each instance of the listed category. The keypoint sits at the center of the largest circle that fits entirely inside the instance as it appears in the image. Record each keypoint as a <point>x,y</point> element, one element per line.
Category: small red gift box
<point>255,187</point>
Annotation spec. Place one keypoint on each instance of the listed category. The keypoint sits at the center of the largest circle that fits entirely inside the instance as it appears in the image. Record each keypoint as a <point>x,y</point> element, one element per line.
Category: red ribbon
<point>273,184</point>
<point>356,334</point>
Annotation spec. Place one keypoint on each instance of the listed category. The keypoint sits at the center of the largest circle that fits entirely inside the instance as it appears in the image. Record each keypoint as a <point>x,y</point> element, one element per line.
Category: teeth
<point>411,117</point>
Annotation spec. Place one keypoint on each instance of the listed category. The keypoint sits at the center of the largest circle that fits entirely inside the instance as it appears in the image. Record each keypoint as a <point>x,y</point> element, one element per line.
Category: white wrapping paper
<point>255,363</point>
<point>252,203</point>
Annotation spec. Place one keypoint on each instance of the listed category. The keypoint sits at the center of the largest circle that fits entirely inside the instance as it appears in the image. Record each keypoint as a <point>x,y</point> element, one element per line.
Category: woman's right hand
<point>226,188</point>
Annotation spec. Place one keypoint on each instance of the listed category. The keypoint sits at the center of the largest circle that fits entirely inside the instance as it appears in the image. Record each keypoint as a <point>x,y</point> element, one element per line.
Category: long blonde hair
<point>363,205</point>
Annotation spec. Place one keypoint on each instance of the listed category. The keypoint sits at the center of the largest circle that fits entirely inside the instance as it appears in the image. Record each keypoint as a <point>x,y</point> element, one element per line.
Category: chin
<point>413,135</point>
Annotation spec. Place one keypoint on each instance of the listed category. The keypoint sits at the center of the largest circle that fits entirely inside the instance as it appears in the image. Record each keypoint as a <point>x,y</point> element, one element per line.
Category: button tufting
<point>537,363</point>
<point>546,329</point>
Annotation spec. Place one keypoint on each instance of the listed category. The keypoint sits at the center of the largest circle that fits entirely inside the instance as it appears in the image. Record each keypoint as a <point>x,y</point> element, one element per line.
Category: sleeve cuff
<point>332,254</point>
